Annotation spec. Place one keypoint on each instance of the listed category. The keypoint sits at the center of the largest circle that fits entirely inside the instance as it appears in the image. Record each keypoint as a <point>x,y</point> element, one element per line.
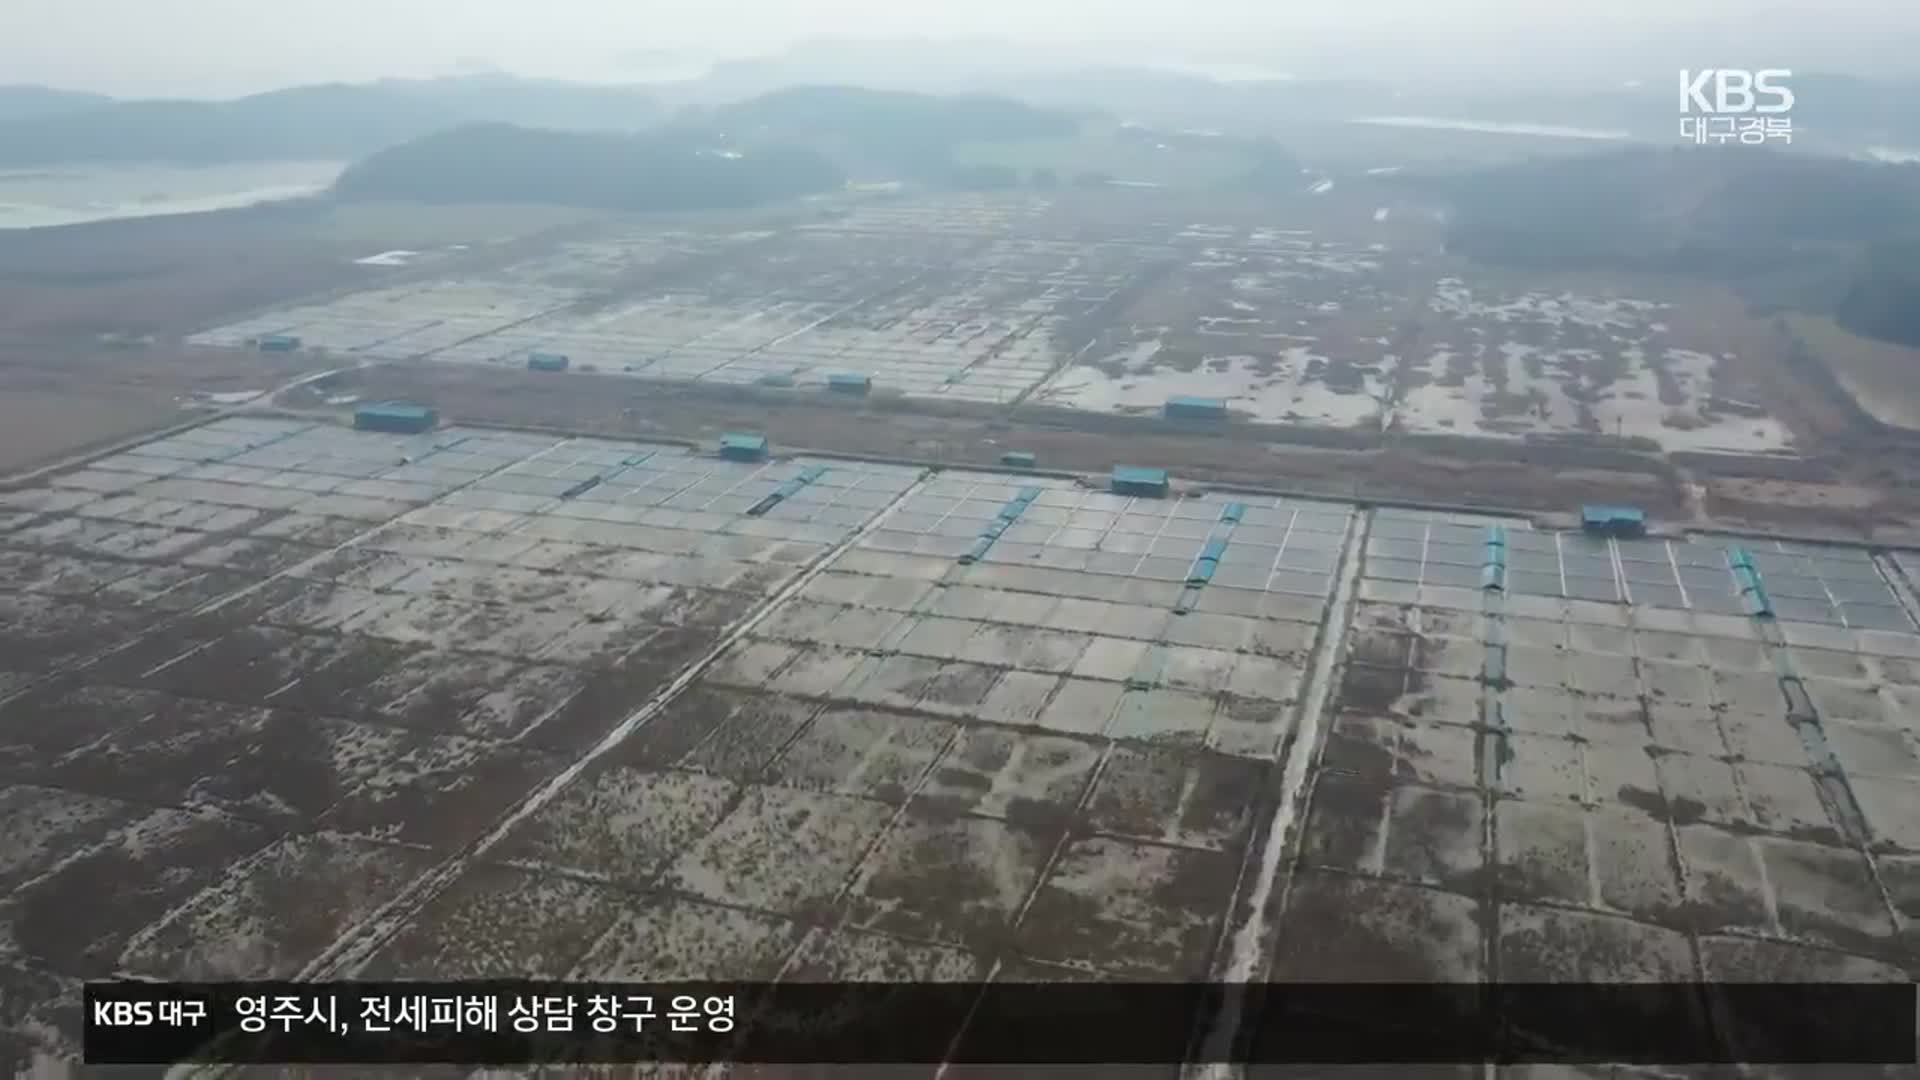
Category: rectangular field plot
<point>283,699</point>
<point>1297,335</point>
<point>1509,361</point>
<point>264,674</point>
<point>918,766</point>
<point>1823,584</point>
<point>1623,785</point>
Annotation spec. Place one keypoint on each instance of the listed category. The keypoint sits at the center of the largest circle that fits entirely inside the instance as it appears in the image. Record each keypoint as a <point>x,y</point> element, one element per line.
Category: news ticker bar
<point>506,1023</point>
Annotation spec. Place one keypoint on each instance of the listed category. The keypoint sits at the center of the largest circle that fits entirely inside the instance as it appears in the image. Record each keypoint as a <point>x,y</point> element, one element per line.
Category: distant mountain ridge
<point>660,170</point>
<point>23,101</point>
<point>889,114</point>
<point>792,142</point>
<point>333,120</point>
<point>893,133</point>
<point>44,126</point>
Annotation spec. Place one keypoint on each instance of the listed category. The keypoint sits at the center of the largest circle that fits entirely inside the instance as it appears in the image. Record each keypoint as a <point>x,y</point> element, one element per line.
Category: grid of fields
<point>283,699</point>
<point>918,767</point>
<point>1312,310</point>
<point>923,311</point>
<point>1563,788</point>
<point>1828,585</point>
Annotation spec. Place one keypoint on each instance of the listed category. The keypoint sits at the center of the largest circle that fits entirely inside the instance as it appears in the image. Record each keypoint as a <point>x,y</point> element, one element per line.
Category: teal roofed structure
<point>1609,520</point>
<point>849,382</point>
<point>546,361</point>
<point>395,417</point>
<point>1134,480</point>
<point>1187,407</point>
<point>740,446</point>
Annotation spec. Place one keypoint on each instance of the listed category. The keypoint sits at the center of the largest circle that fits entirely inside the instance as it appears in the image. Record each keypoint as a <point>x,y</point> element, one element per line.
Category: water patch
<point>1893,155</point>
<point>1294,386</point>
<point>1595,364</point>
<point>1551,131</point>
<point>41,199</point>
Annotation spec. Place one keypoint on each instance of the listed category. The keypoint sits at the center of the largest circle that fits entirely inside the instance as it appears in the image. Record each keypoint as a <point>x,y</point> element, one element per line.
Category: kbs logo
<point>1723,104</point>
<point>123,1013</point>
<point>1734,90</point>
<point>170,1012</point>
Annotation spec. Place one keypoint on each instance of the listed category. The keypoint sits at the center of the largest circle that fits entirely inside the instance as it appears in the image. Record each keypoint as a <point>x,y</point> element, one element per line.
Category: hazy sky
<point>216,47</point>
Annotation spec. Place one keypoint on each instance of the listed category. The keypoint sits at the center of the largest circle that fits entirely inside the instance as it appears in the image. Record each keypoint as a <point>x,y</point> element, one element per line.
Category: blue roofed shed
<point>279,343</point>
<point>1019,459</point>
<point>849,382</point>
<point>395,416</point>
<point>1608,520</point>
<point>546,361</point>
<point>1133,480</point>
<point>740,446</point>
<point>1186,407</point>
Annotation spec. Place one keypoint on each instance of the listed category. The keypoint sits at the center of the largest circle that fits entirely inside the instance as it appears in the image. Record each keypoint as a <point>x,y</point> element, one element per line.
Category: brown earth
<point>38,426</point>
<point>55,402</point>
<point>1829,508</point>
<point>174,275</point>
<point>1880,375</point>
<point>89,313</point>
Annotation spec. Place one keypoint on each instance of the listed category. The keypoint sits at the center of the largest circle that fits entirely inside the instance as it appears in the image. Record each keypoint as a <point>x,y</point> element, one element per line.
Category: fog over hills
<point>1834,112</point>
<point>39,127</point>
<point>226,48</point>
<point>1025,96</point>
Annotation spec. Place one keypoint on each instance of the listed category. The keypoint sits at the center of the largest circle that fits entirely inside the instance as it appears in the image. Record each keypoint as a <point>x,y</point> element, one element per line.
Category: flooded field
<point>283,699</point>
<point>1287,328</point>
<point>1512,362</point>
<point>1326,310</point>
<point>69,196</point>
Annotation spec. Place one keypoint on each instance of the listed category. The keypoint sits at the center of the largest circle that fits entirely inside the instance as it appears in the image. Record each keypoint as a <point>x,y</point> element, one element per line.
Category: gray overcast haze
<point>226,47</point>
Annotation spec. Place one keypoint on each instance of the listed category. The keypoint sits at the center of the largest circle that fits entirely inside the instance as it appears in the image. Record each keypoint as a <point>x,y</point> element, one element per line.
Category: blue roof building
<point>848,382</point>
<point>395,417</point>
<point>735,446</point>
<point>1607,520</point>
<point>1133,480</point>
<point>1185,407</point>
